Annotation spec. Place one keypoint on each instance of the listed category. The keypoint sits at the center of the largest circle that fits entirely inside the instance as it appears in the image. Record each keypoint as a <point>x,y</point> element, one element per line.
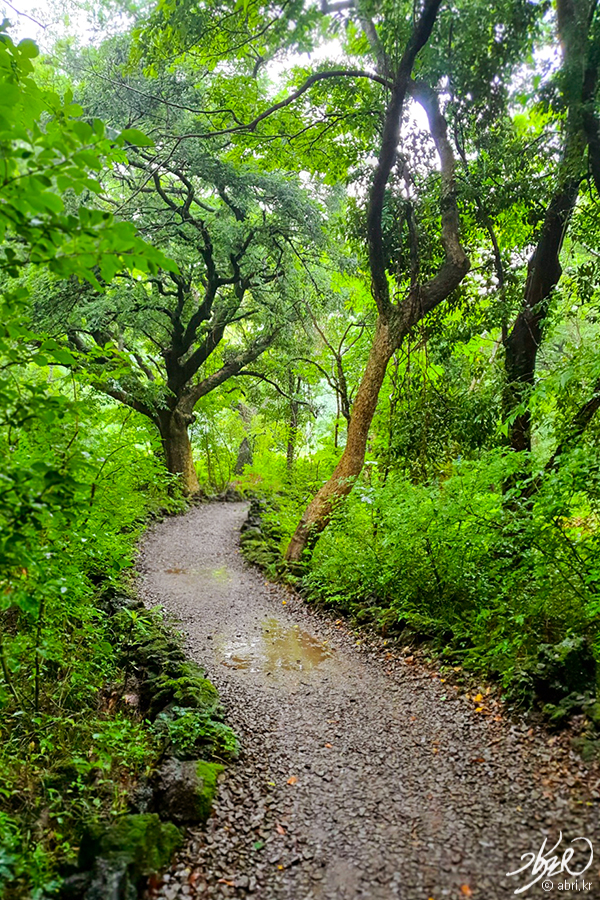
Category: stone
<point>110,881</point>
<point>189,690</point>
<point>593,713</point>
<point>186,789</point>
<point>74,887</point>
<point>565,668</point>
<point>124,853</point>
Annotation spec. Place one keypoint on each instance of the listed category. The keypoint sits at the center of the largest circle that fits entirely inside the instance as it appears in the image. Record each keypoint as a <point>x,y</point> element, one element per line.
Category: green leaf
<point>28,48</point>
<point>136,137</point>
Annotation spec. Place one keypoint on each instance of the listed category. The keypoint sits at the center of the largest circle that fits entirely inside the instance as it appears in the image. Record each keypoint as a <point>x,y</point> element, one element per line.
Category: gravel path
<point>363,774</point>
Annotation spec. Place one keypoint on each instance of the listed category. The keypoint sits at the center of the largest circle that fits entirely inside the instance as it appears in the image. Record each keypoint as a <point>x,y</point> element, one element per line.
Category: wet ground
<point>363,775</point>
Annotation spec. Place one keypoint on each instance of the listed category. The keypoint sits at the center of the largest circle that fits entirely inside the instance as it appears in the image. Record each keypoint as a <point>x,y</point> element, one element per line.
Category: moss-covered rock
<point>159,653</point>
<point>593,713</point>
<point>185,790</point>
<point>563,669</point>
<point>190,689</point>
<point>588,748</point>
<point>146,842</point>
<point>251,534</point>
<point>122,854</point>
<point>192,734</point>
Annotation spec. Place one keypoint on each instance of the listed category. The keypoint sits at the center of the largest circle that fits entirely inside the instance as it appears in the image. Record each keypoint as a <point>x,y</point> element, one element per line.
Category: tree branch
<point>245,372</point>
<point>456,263</point>
<point>387,155</point>
<point>227,370</point>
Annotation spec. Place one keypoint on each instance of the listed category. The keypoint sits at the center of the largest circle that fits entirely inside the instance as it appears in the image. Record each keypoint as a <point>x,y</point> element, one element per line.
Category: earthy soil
<point>363,774</point>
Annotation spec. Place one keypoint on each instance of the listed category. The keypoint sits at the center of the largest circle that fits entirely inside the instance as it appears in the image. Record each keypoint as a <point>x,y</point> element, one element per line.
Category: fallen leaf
<point>284,602</point>
<point>466,890</point>
<point>478,698</point>
<point>479,709</point>
<point>329,745</point>
<point>292,780</point>
<point>258,845</point>
<point>409,659</point>
<point>279,829</point>
<point>224,881</point>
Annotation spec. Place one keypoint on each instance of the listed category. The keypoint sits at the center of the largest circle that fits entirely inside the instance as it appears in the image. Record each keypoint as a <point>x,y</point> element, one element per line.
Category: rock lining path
<point>362,776</point>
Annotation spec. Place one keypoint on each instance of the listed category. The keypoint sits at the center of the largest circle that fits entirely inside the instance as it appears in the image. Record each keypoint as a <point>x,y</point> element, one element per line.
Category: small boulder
<point>185,790</point>
<point>190,689</point>
<point>565,668</point>
<point>122,854</point>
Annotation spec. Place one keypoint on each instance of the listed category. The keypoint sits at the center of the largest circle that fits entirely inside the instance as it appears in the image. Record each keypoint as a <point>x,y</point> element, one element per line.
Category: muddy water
<point>222,574</point>
<point>280,646</point>
<point>273,644</point>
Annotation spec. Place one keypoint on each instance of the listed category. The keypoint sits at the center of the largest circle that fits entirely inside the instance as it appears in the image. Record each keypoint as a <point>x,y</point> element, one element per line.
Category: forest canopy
<point>344,256</point>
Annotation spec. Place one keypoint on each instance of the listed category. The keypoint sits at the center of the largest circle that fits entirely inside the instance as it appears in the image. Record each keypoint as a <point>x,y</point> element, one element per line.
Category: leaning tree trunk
<point>178,450</point>
<point>349,467</point>
<point>395,319</point>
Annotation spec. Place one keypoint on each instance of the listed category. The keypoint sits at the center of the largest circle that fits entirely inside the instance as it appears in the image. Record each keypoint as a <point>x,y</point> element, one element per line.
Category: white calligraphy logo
<point>544,864</point>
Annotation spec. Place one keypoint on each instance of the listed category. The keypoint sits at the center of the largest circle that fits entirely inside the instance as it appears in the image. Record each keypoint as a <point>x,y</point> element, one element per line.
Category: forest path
<point>361,776</point>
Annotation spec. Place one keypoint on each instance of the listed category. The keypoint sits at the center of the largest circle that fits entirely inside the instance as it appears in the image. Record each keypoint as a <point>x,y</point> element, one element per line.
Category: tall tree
<point>395,319</point>
<point>161,344</point>
<point>578,32</point>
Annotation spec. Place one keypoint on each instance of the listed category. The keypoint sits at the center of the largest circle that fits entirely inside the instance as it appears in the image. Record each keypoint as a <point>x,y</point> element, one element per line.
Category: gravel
<point>363,773</point>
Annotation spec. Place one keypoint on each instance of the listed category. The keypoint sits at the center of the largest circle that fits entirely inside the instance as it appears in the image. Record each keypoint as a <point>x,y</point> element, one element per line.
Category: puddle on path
<point>221,574</point>
<point>278,647</point>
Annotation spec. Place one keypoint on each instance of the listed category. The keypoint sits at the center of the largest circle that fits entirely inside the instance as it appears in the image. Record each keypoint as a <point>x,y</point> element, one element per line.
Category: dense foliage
<point>78,480</point>
<point>342,256</point>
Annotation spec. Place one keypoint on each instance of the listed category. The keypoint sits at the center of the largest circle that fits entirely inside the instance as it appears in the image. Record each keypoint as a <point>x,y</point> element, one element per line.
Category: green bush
<point>485,576</point>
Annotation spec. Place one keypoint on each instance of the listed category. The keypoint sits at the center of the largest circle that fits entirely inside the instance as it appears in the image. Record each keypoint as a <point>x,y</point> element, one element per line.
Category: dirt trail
<point>361,777</point>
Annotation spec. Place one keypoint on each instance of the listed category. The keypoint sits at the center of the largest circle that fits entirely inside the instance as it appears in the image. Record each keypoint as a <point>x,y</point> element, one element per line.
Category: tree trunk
<point>349,467</point>
<point>523,342</point>
<point>244,457</point>
<point>178,450</point>
<point>580,77</point>
<point>294,388</point>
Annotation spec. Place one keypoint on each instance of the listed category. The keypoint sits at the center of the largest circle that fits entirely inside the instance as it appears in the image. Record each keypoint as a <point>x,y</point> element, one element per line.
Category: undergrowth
<point>72,743</point>
<point>491,584</point>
